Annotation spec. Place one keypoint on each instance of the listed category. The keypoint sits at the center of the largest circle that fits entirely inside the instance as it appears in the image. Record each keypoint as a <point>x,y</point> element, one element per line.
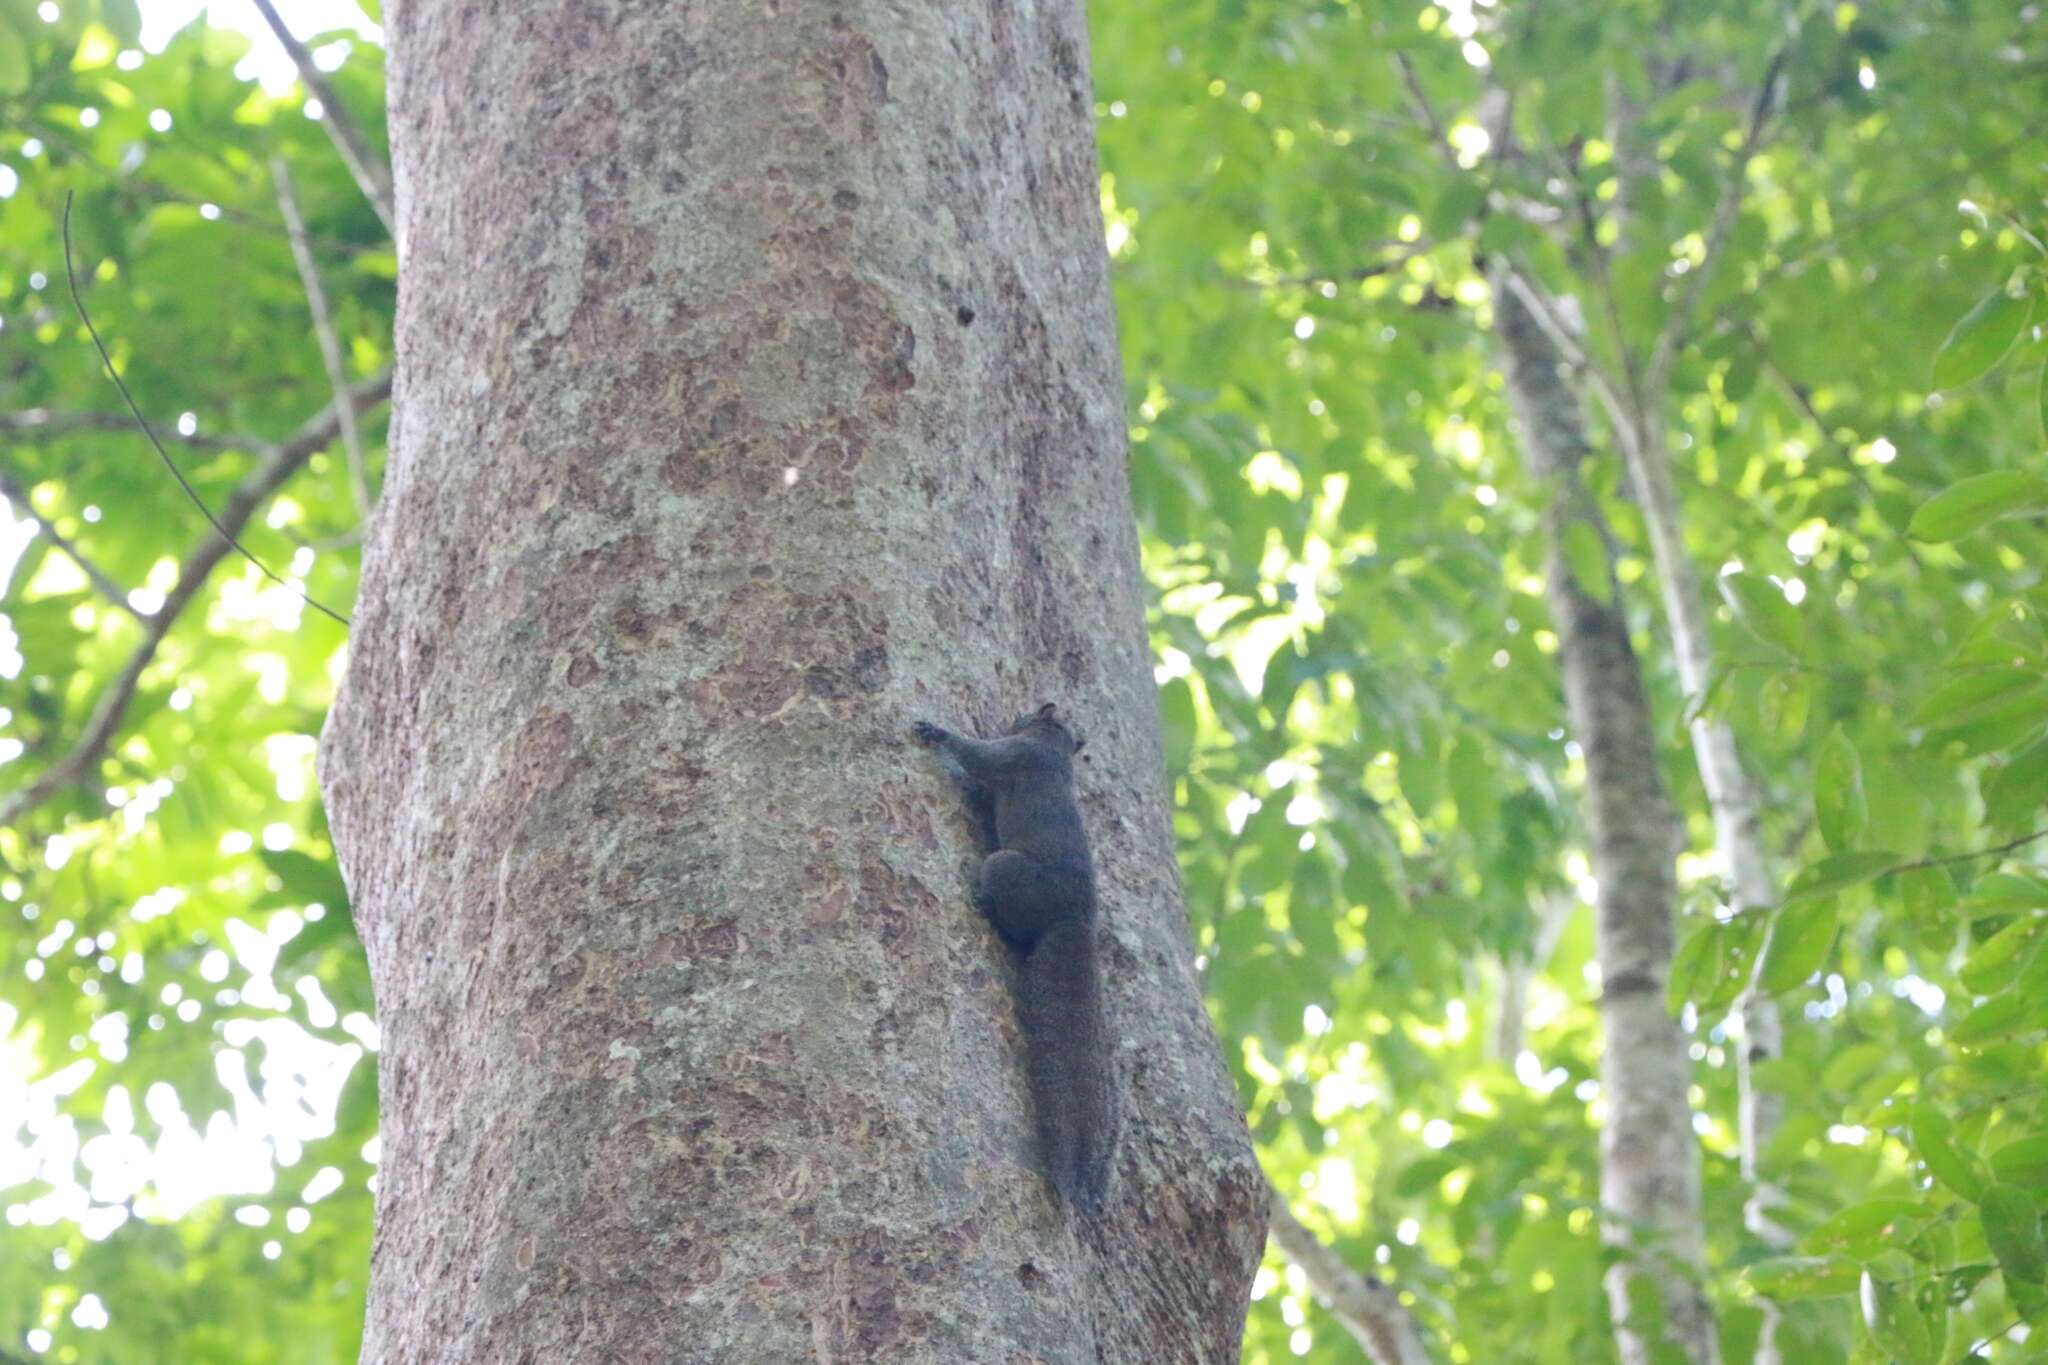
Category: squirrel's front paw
<point>928,733</point>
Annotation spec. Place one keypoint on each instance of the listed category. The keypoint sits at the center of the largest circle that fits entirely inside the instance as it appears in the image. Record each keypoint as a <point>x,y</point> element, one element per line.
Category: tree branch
<point>1369,1309</point>
<point>282,461</point>
<point>323,331</point>
<point>1884,212</point>
<point>372,177</point>
<point>16,494</point>
<point>1672,335</point>
<point>1355,275</point>
<point>1995,851</point>
<point>1424,110</point>
<point>39,422</point>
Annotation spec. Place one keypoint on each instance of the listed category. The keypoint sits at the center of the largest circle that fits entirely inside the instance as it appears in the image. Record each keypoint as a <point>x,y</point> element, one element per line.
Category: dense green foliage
<point>1377,800</point>
<point>160,921</point>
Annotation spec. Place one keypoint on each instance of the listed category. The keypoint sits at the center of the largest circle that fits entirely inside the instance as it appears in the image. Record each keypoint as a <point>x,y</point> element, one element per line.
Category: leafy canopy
<point>1376,798</point>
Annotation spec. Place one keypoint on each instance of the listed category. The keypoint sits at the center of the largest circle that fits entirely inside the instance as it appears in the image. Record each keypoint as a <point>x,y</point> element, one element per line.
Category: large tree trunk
<point>757,394</point>
<point>1649,1158</point>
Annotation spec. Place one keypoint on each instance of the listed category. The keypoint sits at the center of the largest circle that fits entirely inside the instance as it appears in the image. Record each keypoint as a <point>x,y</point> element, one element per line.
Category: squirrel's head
<point>1045,724</point>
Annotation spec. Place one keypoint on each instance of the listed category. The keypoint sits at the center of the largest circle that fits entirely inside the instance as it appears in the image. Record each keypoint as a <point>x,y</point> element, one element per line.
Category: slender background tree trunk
<point>1738,832</point>
<point>757,395</point>
<point>1649,1158</point>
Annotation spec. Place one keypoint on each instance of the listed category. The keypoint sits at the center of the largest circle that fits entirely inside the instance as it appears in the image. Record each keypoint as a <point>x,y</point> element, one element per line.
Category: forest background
<point>1791,256</point>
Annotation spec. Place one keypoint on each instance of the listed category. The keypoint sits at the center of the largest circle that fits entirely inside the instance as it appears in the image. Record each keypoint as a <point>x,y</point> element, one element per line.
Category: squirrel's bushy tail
<point>1072,1081</point>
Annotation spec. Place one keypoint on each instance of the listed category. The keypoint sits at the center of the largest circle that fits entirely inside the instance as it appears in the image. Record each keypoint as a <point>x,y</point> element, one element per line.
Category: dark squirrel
<point>1037,886</point>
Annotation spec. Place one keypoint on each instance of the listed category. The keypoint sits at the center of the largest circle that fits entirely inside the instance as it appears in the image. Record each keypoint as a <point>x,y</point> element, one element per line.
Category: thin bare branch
<point>1355,275</point>
<point>1368,1308</point>
<point>135,410</point>
<point>280,464</point>
<point>43,422</point>
<point>1848,226</point>
<point>372,176</point>
<point>1424,110</point>
<point>16,494</point>
<point>1672,335</point>
<point>1995,851</point>
<point>323,331</point>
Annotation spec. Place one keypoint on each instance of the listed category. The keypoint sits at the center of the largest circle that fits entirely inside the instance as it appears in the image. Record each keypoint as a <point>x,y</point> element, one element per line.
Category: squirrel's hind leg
<point>1019,898</point>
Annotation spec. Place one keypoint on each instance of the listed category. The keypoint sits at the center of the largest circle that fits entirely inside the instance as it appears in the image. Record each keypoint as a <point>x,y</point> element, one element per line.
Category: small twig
<point>44,422</point>
<point>78,302</point>
<point>372,177</point>
<point>12,489</point>
<point>1424,110</point>
<point>1353,276</point>
<point>1848,226</point>
<point>1671,336</point>
<point>1804,402</point>
<point>284,460</point>
<point>1610,305</point>
<point>323,330</point>
<point>1998,851</point>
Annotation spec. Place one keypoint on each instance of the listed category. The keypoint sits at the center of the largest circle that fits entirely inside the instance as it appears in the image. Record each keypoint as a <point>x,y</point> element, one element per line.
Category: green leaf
<point>1970,503</point>
<point>1783,703</point>
<point>1838,801</point>
<point>1926,891</point>
<point>1804,1277</point>
<point>1951,1165</point>
<point>1798,945</point>
<point>1980,338</point>
<point>2005,893</point>
<point>1177,724</point>
<point>1739,379</point>
<point>1586,555</point>
<point>1456,205</point>
<point>1996,963</point>
<point>2018,791</point>
<point>1896,1322</point>
<point>14,67</point>
<point>1852,1065</point>
<point>1976,694</point>
<point>1714,964</point>
<point>1475,786</point>
<point>2012,1226</point>
<point>123,20</point>
<point>2041,401</point>
<point>1866,1229</point>
<point>1760,606</point>
<point>1999,1017</point>
<point>308,880</point>
<point>2024,1162</point>
<point>1838,871</point>
<point>1420,1177</point>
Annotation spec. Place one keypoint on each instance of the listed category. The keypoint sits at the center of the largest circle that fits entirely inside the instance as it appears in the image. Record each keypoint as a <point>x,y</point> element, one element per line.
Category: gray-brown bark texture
<point>757,394</point>
<point>1649,1158</point>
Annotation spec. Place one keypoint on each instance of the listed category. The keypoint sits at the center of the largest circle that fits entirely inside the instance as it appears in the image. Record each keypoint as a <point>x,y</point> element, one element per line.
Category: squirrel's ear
<point>1045,711</point>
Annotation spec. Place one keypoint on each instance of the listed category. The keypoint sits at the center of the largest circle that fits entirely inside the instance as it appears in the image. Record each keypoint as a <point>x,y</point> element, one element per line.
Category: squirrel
<point>1037,886</point>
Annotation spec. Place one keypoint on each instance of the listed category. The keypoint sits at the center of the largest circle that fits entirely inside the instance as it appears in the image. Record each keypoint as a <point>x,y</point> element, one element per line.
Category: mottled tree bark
<point>757,394</point>
<point>1649,1158</point>
<point>1738,829</point>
